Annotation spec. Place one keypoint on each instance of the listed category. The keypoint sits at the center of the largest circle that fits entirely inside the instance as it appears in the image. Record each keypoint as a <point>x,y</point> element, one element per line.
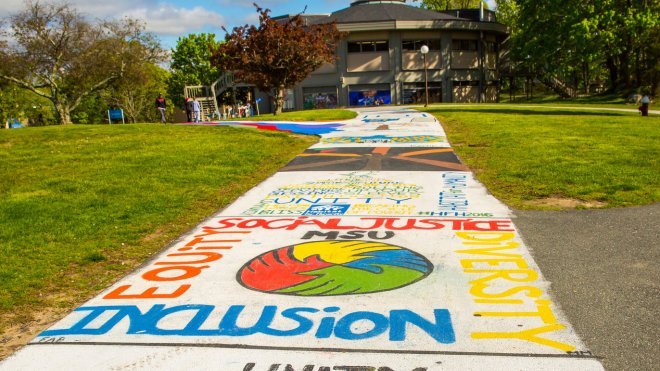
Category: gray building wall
<point>395,76</point>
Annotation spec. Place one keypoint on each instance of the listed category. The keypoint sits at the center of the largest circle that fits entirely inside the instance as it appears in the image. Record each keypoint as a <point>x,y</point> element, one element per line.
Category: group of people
<point>193,109</point>
<point>242,110</point>
<point>191,105</point>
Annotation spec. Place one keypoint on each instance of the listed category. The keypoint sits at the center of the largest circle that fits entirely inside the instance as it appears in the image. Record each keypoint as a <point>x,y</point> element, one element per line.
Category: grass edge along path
<point>542,158</point>
<point>316,115</point>
<point>82,206</point>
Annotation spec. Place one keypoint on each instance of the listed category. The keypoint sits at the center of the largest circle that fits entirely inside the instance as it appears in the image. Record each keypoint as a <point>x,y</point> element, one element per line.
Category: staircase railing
<point>558,86</point>
<point>208,95</point>
<point>226,81</point>
<point>196,91</point>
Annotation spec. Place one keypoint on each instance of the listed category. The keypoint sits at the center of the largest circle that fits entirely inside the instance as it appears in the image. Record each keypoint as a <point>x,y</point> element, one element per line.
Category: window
<point>289,100</point>
<point>491,47</point>
<point>414,93</point>
<point>416,45</point>
<point>466,83</point>
<point>368,46</point>
<point>322,97</point>
<point>464,45</point>
<point>354,47</point>
<point>369,97</point>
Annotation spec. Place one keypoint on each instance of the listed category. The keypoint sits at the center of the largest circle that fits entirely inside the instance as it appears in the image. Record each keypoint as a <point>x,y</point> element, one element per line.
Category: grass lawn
<point>80,206</point>
<point>308,115</point>
<point>557,105</point>
<point>599,101</point>
<point>547,158</point>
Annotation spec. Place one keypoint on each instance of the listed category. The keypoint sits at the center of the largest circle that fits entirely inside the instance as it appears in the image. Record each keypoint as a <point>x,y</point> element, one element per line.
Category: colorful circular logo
<point>331,268</point>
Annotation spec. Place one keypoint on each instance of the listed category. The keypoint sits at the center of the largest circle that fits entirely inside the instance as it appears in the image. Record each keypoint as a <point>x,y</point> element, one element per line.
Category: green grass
<point>82,205</point>
<point>525,155</point>
<point>596,101</point>
<point>310,115</point>
<point>632,108</point>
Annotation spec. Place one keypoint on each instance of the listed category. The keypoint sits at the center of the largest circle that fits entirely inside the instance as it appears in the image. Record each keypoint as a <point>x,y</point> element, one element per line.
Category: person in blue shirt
<point>197,108</point>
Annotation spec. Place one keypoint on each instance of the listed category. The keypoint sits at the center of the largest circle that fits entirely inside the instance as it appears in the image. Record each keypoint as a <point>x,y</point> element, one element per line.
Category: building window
<point>289,100</point>
<point>368,46</point>
<point>491,47</point>
<point>464,45</point>
<point>324,97</point>
<point>416,45</point>
<point>466,92</point>
<point>369,97</point>
<point>414,93</point>
<point>466,83</point>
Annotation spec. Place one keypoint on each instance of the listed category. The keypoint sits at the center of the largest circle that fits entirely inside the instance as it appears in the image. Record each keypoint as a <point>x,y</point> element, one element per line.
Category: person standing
<point>197,108</point>
<point>187,105</point>
<point>644,109</point>
<point>161,105</point>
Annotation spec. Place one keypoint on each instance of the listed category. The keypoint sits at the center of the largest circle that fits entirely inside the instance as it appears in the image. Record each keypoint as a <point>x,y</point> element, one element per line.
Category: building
<point>380,59</point>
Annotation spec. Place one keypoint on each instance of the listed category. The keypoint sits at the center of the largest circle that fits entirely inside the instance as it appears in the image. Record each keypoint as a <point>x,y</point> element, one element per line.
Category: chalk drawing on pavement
<point>337,269</point>
<point>359,193</point>
<point>331,268</point>
<point>378,158</point>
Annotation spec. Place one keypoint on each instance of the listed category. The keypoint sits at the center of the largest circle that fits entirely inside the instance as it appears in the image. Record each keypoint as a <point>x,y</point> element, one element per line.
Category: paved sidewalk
<point>603,265</point>
<point>374,250</point>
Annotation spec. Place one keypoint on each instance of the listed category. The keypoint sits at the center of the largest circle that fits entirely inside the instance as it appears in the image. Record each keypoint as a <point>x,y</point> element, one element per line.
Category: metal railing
<point>208,95</point>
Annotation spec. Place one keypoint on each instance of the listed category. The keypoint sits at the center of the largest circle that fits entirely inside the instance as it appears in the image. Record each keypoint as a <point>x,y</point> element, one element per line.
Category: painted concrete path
<point>375,250</point>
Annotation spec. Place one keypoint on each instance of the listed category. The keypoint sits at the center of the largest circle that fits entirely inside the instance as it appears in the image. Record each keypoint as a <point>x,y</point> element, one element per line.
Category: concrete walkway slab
<point>376,268</point>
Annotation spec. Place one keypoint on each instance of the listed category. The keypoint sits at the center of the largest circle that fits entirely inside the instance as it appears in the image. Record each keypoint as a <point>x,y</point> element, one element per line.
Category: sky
<point>170,19</point>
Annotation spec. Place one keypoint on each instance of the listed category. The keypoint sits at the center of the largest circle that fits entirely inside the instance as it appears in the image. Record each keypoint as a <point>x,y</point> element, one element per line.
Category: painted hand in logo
<point>329,268</point>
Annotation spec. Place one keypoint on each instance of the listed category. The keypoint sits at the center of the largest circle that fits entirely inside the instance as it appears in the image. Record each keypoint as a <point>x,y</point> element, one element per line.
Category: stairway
<point>208,95</point>
<point>558,86</point>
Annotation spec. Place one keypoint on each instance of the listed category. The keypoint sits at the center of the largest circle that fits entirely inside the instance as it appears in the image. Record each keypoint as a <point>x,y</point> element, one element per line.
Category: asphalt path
<point>603,265</point>
<point>578,108</point>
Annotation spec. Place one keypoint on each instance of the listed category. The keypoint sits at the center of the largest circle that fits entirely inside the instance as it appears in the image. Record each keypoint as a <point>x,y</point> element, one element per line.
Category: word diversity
<point>498,275</point>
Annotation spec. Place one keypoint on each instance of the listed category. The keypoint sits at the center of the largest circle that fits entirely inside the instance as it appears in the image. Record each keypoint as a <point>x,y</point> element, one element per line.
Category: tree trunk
<point>62,113</point>
<point>614,73</point>
<point>279,99</point>
<point>624,75</point>
<point>638,69</point>
<point>585,77</point>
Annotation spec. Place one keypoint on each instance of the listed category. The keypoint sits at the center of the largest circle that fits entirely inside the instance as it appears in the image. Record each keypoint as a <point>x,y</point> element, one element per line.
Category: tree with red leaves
<point>277,54</point>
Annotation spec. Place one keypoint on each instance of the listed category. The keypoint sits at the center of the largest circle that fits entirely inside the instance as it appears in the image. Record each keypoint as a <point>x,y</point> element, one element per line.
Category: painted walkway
<point>374,250</point>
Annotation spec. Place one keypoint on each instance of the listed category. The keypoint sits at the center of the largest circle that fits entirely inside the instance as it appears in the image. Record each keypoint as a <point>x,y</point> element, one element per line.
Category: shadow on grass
<point>530,112</point>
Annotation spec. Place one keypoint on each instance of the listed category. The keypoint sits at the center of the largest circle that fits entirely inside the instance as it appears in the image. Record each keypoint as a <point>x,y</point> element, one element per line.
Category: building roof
<point>369,15</point>
<point>378,11</point>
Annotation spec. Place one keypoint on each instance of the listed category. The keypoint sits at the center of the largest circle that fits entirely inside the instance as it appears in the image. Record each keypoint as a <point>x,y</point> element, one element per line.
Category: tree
<point>16,103</point>
<point>59,55</point>
<point>577,40</point>
<point>450,4</point>
<point>136,91</point>
<point>278,54</point>
<point>191,64</point>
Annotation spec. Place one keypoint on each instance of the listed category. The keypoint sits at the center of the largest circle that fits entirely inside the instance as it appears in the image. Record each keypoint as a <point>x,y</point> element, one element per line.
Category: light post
<point>424,50</point>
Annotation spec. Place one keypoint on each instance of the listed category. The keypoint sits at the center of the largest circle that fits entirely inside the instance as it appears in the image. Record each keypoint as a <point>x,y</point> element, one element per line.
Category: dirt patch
<point>158,234</point>
<point>15,336</point>
<point>565,203</point>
